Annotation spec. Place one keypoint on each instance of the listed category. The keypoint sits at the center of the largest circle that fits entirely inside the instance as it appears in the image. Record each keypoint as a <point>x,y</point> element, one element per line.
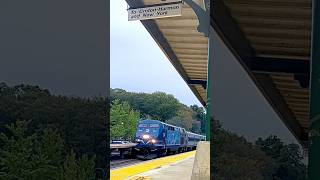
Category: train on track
<point>155,139</point>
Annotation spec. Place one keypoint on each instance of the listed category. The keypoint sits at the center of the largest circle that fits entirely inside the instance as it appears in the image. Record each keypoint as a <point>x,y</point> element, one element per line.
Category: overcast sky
<point>60,45</point>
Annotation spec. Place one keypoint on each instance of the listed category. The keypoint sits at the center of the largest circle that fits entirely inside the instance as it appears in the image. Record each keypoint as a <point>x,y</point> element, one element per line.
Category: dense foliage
<point>199,118</point>
<point>235,158</point>
<point>123,121</point>
<point>80,122</point>
<point>183,118</point>
<point>163,107</point>
<point>266,159</point>
<point>40,157</point>
<point>157,105</point>
<point>287,158</point>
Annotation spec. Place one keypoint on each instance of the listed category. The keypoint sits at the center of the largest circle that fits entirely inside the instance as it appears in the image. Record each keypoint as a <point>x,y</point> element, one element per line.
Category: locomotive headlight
<point>153,141</point>
<point>146,136</point>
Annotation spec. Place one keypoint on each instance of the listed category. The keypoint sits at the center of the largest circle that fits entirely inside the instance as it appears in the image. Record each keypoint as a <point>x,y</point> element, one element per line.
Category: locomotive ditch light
<point>153,141</point>
<point>146,136</point>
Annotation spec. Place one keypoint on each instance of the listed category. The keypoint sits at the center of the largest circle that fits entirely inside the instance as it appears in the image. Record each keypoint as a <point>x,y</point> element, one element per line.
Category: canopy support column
<point>314,135</point>
<point>205,28</point>
<point>209,118</point>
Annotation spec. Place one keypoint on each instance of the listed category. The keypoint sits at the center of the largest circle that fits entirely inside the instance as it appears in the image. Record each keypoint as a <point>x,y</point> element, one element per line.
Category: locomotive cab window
<point>154,125</point>
<point>143,125</point>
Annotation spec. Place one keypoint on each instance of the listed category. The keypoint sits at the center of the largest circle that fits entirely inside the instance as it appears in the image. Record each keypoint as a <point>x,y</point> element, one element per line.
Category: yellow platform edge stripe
<point>126,172</point>
<point>140,178</point>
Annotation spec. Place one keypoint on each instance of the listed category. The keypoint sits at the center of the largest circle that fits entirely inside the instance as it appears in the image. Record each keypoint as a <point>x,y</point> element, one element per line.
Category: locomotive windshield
<point>143,125</point>
<point>152,129</point>
<point>154,125</point>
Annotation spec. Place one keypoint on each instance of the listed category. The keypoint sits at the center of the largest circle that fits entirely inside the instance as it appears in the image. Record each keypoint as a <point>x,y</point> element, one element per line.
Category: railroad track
<point>119,163</point>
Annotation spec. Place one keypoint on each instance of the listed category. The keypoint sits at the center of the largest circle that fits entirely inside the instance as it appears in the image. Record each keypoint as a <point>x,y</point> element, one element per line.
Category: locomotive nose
<point>146,139</point>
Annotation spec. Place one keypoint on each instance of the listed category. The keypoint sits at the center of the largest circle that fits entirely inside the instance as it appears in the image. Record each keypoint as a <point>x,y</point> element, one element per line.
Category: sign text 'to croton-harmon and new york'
<point>158,11</point>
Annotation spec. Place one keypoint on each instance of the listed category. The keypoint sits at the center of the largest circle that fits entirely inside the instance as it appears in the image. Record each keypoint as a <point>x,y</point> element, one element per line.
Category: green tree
<point>236,158</point>
<point>81,122</point>
<point>196,127</point>
<point>86,168</point>
<point>158,105</point>
<point>25,157</point>
<point>52,146</point>
<point>82,169</point>
<point>267,159</point>
<point>123,120</point>
<point>164,106</point>
<point>199,115</point>
<point>39,156</point>
<point>182,119</point>
<point>70,168</point>
<point>288,158</point>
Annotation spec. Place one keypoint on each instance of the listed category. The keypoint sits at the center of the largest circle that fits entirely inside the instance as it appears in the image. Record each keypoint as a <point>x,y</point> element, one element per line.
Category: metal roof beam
<point>300,68</point>
<point>198,82</point>
<point>266,64</point>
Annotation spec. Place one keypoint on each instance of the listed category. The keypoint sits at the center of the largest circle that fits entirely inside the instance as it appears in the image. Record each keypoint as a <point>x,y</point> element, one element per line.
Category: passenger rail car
<point>155,139</point>
<point>193,139</point>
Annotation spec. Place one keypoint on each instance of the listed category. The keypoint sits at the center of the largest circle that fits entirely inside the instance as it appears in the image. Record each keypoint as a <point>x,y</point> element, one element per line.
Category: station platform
<point>175,166</point>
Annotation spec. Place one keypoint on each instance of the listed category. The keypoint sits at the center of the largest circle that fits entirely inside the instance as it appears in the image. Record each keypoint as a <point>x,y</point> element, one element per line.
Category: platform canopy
<point>270,39</point>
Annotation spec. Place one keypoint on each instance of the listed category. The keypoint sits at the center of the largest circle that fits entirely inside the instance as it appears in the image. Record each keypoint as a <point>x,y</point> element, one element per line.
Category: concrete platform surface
<point>135,172</point>
<point>180,170</point>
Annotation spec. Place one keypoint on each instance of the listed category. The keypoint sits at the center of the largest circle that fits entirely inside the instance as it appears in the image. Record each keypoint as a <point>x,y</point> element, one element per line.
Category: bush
<point>40,157</point>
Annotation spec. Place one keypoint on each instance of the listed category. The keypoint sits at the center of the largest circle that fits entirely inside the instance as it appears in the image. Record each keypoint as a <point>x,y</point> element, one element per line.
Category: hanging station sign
<point>155,11</point>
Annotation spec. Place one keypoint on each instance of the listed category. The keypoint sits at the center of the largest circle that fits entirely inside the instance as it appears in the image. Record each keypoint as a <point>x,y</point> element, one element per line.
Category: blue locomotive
<point>155,139</point>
